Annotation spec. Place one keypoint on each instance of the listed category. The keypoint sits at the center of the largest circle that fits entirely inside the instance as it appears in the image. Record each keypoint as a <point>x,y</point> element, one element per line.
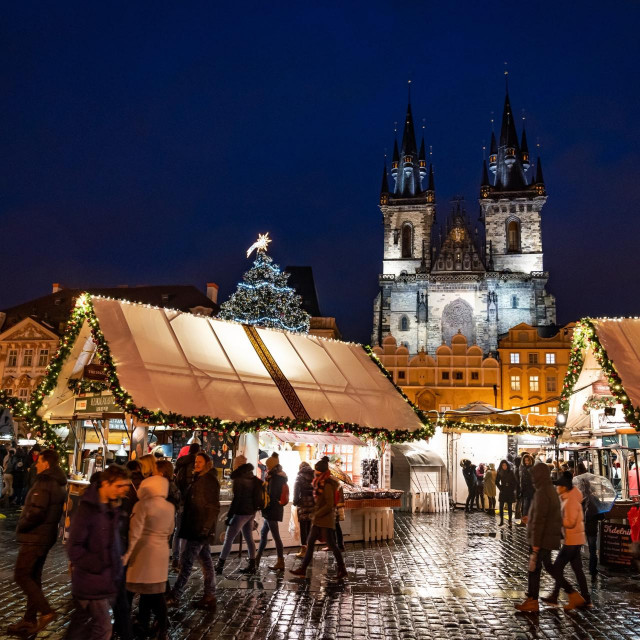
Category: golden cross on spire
<point>260,244</point>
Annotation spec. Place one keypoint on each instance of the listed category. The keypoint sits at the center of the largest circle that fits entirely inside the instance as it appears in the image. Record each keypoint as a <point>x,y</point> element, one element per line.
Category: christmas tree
<point>263,297</point>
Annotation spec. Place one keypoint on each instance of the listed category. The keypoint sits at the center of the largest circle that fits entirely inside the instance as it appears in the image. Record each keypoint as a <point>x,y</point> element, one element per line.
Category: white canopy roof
<point>195,365</point>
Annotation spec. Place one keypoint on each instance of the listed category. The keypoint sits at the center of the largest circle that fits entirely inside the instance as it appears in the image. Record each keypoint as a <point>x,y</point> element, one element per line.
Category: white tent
<point>195,365</point>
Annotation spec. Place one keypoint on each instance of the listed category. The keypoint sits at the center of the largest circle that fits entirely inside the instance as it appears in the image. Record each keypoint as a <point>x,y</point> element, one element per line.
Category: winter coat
<point>325,511</point>
<point>276,480</point>
<point>174,496</point>
<point>94,548</point>
<point>544,526</point>
<point>527,487</point>
<point>151,526</point>
<point>247,492</point>
<point>201,507</point>
<point>43,507</point>
<point>490,483</point>
<point>506,484</point>
<point>572,517</point>
<point>303,494</point>
<point>184,472</point>
<point>469,473</point>
<point>19,469</point>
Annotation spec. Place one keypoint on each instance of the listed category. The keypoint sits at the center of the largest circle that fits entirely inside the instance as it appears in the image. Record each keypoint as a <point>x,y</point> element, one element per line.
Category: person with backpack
<point>273,513</point>
<point>248,497</point>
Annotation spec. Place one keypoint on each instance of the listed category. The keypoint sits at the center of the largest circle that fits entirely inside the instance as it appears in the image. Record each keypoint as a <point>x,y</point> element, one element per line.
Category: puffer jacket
<point>303,493</point>
<point>325,511</point>
<point>544,527</point>
<point>572,517</point>
<point>151,526</point>
<point>201,507</point>
<point>247,492</point>
<point>276,480</point>
<point>469,473</point>
<point>94,547</point>
<point>43,507</point>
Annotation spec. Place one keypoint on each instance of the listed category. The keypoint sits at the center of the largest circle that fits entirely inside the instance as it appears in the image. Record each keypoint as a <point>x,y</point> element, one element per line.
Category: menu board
<point>615,544</point>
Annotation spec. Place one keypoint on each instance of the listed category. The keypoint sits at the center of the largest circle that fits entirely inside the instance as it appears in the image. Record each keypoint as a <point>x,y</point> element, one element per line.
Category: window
<point>550,358</point>
<point>515,383</point>
<point>43,359</point>
<point>515,358</point>
<point>533,358</point>
<point>551,383</point>
<point>400,375</point>
<point>475,375</point>
<point>445,375</point>
<point>407,243</point>
<point>552,411</point>
<point>514,302</point>
<point>27,358</point>
<point>23,393</point>
<point>458,375</point>
<point>513,237</point>
<point>534,409</point>
<point>444,407</point>
<point>8,392</point>
<point>404,323</point>
<point>534,383</point>
<point>12,358</point>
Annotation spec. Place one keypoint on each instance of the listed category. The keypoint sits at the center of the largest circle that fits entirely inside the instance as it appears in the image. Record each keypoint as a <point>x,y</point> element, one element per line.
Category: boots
<point>300,572</point>
<point>530,605</point>
<point>250,568</point>
<point>575,601</point>
<point>220,566</point>
<point>302,552</point>
<point>207,602</point>
<point>278,566</point>
<point>258,558</point>
<point>342,572</point>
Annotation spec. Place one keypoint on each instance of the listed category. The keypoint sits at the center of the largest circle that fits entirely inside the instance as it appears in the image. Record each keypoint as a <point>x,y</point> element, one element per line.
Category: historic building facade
<point>434,286</point>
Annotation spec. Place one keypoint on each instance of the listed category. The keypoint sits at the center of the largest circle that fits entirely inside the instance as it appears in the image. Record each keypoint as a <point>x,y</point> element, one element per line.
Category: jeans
<point>468,505</point>
<point>178,543</point>
<point>196,549</point>
<point>492,504</point>
<point>275,533</point>
<point>91,620</point>
<point>570,554</point>
<point>544,558</point>
<point>509,510</point>
<point>330,536</point>
<point>122,611</point>
<point>237,524</point>
<point>593,554</point>
<point>305,528</point>
<point>526,503</point>
<point>28,576</point>
<point>339,536</point>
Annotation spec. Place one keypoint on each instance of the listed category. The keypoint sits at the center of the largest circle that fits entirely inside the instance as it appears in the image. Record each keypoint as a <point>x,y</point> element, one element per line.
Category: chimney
<point>56,287</point>
<point>212,292</point>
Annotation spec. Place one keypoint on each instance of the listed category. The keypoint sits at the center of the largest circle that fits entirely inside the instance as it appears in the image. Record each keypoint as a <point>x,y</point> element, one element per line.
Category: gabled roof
<point>28,329</point>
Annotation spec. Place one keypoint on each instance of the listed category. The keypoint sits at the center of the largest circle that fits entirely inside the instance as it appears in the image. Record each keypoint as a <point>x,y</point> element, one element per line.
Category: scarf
<point>319,481</point>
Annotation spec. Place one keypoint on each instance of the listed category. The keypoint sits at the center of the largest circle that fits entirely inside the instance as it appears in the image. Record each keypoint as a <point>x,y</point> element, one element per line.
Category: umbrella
<point>598,490</point>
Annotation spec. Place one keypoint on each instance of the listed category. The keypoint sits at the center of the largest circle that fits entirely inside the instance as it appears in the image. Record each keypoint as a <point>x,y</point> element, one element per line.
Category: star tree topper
<point>260,244</point>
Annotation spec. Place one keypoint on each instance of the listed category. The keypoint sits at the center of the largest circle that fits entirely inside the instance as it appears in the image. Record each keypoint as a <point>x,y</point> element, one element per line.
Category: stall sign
<point>615,544</point>
<point>97,404</point>
<point>535,441</point>
<point>601,388</point>
<point>94,371</point>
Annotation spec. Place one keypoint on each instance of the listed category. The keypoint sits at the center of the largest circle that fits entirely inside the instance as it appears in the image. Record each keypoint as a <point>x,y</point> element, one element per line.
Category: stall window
<point>445,375</point>
<point>515,358</point>
<point>551,383</point>
<point>533,358</point>
<point>515,383</point>
<point>534,383</point>
<point>43,358</point>
<point>27,358</point>
<point>475,375</point>
<point>12,358</point>
<point>550,358</point>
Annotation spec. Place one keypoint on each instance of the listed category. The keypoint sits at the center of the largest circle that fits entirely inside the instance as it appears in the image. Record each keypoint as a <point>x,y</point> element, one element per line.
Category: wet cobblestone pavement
<point>444,576</point>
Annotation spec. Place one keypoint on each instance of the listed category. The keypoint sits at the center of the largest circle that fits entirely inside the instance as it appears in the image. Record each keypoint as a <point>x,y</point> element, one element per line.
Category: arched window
<point>513,236</point>
<point>404,323</point>
<point>407,241</point>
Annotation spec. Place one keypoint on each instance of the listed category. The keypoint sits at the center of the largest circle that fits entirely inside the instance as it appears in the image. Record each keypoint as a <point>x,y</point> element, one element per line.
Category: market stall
<point>172,371</point>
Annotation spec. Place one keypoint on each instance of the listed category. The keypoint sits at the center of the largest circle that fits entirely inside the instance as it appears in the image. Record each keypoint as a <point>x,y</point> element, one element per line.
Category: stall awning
<point>317,438</point>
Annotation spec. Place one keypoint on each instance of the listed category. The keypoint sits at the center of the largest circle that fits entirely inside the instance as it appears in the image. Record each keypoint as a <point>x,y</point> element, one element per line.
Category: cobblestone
<point>444,576</point>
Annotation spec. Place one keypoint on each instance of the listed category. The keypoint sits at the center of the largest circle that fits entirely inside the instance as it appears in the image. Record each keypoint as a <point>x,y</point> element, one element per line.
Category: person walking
<point>517,463</point>
<point>37,531</point>
<point>95,554</point>
<point>198,527</point>
<point>183,478</point>
<point>247,499</point>
<point>480,487</point>
<point>7,476</point>
<point>324,519</point>
<point>527,488</point>
<point>303,502</point>
<point>469,474</point>
<point>273,513</point>
<point>147,556</point>
<point>490,488</point>
<point>19,472</point>
<point>506,484</point>
<point>570,553</point>
<point>544,532</point>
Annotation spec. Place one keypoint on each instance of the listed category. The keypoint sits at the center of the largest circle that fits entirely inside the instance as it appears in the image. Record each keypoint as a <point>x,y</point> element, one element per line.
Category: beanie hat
<point>239,461</point>
<point>565,480</point>
<point>322,465</point>
<point>273,461</point>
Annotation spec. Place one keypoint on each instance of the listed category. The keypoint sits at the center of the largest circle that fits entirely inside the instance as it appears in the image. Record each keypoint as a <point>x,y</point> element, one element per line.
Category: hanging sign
<point>601,388</point>
<point>97,404</point>
<point>94,372</point>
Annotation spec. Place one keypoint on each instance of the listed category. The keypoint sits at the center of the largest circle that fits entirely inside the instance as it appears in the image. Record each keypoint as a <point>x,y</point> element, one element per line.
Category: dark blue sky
<point>149,143</point>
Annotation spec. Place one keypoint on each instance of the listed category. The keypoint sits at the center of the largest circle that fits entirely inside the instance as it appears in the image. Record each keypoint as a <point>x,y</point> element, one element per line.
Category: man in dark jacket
<point>469,473</point>
<point>527,486</point>
<point>183,478</point>
<point>544,530</point>
<point>247,499</point>
<point>198,527</point>
<point>95,553</point>
<point>37,531</point>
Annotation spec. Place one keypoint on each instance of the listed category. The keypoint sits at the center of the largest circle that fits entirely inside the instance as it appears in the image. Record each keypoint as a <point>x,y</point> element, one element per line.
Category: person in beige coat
<point>147,556</point>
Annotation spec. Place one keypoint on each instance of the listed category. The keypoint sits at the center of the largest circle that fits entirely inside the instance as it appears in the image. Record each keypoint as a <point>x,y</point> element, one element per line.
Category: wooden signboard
<point>615,544</point>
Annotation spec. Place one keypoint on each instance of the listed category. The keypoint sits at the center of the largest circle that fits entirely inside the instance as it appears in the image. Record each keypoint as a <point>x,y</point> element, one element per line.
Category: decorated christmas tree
<point>263,297</point>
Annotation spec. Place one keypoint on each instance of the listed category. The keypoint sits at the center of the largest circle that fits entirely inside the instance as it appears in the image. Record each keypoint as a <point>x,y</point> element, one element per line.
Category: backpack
<point>284,496</point>
<point>261,495</point>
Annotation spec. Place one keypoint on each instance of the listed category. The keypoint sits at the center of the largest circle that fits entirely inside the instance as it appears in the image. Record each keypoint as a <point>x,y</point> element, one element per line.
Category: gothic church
<point>432,288</point>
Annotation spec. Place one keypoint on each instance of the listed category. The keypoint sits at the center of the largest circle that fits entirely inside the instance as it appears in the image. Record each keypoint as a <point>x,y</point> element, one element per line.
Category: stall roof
<point>201,366</point>
<point>418,455</point>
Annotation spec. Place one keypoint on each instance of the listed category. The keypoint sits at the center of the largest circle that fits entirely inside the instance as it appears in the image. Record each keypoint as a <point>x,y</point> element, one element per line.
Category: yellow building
<point>458,374</point>
<point>533,367</point>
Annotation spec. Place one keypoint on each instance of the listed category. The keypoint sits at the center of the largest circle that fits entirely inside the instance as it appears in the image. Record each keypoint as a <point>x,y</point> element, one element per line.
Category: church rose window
<point>407,249</point>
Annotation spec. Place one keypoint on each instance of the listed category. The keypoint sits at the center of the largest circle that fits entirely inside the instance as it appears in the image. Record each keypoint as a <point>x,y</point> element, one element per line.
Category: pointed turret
<point>524,150</point>
<point>422,160</point>
<point>493,153</point>
<point>539,183</point>
<point>408,176</point>
<point>396,159</point>
<point>384,189</point>
<point>486,185</point>
<point>409,146</point>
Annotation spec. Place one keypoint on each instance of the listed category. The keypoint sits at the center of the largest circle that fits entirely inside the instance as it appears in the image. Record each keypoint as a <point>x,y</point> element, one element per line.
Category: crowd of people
<point>133,522</point>
<point>17,472</point>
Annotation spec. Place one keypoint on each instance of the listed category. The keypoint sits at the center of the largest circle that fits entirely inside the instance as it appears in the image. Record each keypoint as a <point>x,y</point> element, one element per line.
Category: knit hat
<point>322,465</point>
<point>272,462</point>
<point>565,480</point>
<point>238,461</point>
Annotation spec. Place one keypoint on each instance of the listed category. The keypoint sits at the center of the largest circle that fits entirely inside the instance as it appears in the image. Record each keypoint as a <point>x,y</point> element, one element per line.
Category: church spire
<point>422,160</point>
<point>384,189</point>
<point>524,149</point>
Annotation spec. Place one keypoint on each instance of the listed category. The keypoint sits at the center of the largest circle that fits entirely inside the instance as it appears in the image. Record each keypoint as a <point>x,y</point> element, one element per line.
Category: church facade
<point>436,284</point>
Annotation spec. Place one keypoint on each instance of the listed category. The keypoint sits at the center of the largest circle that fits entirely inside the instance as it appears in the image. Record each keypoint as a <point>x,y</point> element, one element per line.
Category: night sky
<point>149,143</point>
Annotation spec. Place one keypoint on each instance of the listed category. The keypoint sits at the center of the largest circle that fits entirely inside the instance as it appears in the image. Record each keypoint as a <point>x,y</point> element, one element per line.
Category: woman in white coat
<point>151,526</point>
